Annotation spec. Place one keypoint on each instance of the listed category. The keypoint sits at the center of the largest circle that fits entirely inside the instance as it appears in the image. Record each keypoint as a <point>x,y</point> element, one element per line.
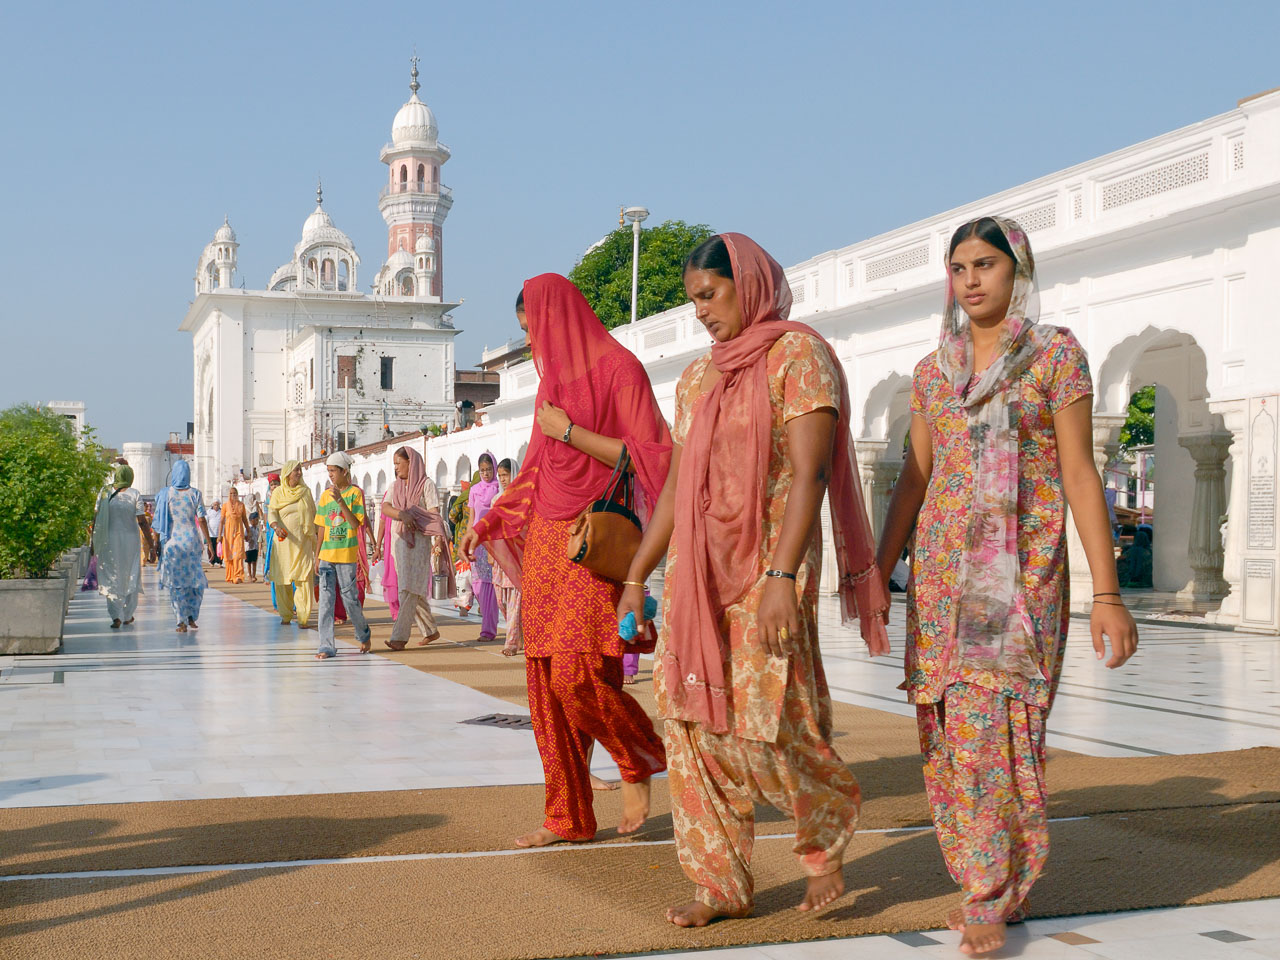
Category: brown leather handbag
<point>606,535</point>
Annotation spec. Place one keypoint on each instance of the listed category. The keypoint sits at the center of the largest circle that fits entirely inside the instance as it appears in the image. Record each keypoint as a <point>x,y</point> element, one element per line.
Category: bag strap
<point>619,476</point>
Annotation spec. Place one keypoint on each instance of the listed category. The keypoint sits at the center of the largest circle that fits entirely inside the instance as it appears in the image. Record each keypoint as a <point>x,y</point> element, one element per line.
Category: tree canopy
<point>1140,425</point>
<point>604,274</point>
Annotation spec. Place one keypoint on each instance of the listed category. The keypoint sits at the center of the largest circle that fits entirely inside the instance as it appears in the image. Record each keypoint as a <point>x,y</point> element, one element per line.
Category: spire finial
<point>413,84</point>
<point>319,192</point>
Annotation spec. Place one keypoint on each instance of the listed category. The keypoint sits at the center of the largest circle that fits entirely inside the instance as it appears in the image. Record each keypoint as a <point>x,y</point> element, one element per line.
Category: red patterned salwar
<point>573,662</point>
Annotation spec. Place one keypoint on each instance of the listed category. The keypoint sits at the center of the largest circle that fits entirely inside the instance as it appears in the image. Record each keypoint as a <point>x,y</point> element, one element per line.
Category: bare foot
<point>819,891</point>
<point>599,784</point>
<point>115,624</point>
<point>955,919</point>
<point>191,622</point>
<point>693,914</point>
<point>182,628</point>
<point>635,805</point>
<point>542,837</point>
<point>366,646</point>
<point>325,656</point>
<point>980,938</point>
<point>129,621</point>
<point>428,640</point>
<point>629,679</point>
<point>397,644</point>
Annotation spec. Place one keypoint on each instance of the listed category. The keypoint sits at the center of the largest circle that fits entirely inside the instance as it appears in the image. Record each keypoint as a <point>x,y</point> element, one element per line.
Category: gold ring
<point>784,633</point>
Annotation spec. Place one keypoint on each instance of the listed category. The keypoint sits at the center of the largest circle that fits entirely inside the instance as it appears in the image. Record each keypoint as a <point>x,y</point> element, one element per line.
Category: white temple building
<point>308,363</point>
<point>1161,257</point>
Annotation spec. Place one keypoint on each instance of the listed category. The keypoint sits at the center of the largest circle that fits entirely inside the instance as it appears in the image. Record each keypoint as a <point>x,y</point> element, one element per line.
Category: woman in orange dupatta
<point>761,434</point>
<point>594,397</point>
<point>234,525</point>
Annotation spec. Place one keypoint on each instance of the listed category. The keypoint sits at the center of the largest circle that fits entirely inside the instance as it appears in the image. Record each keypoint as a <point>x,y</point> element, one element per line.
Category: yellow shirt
<point>340,544</point>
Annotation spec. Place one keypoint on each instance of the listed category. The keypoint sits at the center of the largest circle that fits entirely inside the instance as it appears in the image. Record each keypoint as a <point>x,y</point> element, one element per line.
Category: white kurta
<point>119,551</point>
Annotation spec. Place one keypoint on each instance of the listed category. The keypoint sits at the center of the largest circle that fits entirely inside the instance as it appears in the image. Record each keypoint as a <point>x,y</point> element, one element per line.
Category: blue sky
<point>130,129</point>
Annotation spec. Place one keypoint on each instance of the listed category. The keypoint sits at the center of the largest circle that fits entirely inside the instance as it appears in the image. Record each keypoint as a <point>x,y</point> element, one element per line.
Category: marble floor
<point>241,708</point>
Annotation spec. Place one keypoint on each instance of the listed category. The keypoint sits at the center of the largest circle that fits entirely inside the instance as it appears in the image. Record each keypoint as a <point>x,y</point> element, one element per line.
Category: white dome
<point>319,228</point>
<point>414,124</point>
<point>400,260</point>
<point>425,244</point>
<point>225,234</point>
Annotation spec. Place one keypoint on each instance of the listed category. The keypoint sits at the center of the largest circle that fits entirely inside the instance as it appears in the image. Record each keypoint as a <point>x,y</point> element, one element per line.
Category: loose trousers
<point>715,781</point>
<point>294,599</point>
<point>984,775</point>
<point>413,609</point>
<point>575,698</point>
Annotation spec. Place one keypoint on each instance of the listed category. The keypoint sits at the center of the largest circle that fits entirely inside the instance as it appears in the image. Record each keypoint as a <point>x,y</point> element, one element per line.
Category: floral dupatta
<point>993,629</point>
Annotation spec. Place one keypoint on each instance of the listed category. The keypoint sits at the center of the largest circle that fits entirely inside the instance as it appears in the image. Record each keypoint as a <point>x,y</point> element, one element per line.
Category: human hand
<point>552,421</point>
<point>779,615</point>
<point>281,532</point>
<point>470,540</point>
<point>1110,618</point>
<point>632,602</point>
<point>377,553</point>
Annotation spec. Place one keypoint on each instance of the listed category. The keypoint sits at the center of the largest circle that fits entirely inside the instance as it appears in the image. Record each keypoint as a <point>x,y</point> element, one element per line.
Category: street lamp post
<point>635,215</point>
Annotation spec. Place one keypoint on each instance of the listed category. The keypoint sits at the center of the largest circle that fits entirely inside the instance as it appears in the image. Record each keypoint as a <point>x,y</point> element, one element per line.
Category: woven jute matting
<point>1154,831</point>
<point>608,900</point>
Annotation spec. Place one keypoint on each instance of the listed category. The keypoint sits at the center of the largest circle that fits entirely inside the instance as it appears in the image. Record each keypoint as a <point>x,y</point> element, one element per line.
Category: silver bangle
<point>568,430</point>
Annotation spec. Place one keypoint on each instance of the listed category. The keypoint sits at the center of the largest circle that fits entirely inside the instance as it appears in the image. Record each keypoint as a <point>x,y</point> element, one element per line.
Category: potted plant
<point>49,481</point>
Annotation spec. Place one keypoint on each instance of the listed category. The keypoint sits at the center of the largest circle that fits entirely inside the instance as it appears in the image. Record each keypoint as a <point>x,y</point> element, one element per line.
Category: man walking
<point>339,516</point>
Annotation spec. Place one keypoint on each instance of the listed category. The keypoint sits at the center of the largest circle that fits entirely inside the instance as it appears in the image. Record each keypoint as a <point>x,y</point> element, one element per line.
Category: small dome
<point>225,234</point>
<point>425,244</point>
<point>400,260</point>
<point>414,124</point>
<point>319,228</point>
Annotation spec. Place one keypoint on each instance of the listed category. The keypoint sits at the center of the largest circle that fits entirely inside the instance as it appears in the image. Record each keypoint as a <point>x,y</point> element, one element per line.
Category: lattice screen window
<point>297,392</point>
<point>1237,154</point>
<point>1038,218</point>
<point>1162,179</point>
<point>797,292</point>
<point>898,262</point>
<point>1077,206</point>
<point>346,371</point>
<point>661,336</point>
<point>851,276</point>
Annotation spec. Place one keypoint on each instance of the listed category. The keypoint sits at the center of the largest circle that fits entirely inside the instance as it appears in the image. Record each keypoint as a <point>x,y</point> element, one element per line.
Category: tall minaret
<point>414,202</point>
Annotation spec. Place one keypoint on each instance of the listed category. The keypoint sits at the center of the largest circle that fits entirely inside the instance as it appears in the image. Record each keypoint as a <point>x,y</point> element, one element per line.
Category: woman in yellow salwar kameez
<point>291,515</point>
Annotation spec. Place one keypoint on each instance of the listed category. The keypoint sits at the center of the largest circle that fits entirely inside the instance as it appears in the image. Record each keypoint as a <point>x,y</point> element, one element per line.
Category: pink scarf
<point>720,497</point>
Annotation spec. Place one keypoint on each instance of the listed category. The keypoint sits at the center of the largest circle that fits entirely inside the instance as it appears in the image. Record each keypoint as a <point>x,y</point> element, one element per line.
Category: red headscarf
<point>720,497</point>
<point>603,388</point>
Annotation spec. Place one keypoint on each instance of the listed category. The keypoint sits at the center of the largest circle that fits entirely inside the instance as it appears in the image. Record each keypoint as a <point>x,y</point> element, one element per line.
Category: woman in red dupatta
<point>761,434</point>
<point>594,397</point>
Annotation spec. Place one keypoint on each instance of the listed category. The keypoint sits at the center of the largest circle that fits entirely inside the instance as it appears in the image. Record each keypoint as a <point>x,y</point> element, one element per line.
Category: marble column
<point>877,483</point>
<point>1208,505</point>
<point>1106,447</point>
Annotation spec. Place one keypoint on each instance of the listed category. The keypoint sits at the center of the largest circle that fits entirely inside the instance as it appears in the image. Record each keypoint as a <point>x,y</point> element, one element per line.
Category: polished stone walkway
<point>241,708</point>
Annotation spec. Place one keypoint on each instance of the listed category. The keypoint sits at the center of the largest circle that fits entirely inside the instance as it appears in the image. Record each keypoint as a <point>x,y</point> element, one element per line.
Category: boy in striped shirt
<point>339,516</point>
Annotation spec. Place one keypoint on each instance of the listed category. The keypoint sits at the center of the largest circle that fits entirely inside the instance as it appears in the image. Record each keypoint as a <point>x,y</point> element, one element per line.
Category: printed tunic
<point>1053,381</point>
<point>801,380</point>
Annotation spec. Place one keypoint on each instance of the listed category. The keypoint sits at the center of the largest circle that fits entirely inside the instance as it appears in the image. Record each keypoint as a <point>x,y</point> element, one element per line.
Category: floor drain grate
<point>511,721</point>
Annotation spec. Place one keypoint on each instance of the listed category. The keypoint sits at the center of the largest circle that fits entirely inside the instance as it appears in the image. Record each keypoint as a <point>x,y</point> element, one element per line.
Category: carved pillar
<point>883,476</point>
<point>871,473</point>
<point>1106,447</point>
<point>1208,505</point>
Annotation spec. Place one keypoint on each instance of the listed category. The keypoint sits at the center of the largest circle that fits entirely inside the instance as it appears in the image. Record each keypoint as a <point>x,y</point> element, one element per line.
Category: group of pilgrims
<point>730,494</point>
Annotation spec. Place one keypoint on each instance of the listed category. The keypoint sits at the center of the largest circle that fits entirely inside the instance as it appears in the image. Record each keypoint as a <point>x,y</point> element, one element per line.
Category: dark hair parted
<point>506,464</point>
<point>711,254</point>
<point>520,300</point>
<point>988,231</point>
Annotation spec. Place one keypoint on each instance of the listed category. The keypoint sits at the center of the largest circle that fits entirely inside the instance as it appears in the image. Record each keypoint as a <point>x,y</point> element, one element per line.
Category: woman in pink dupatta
<point>761,434</point>
<point>412,506</point>
<point>594,398</point>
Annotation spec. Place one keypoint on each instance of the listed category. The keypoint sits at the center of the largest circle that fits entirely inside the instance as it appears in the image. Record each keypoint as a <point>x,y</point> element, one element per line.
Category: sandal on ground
<point>182,628</point>
<point>191,622</point>
<point>129,621</point>
<point>115,624</point>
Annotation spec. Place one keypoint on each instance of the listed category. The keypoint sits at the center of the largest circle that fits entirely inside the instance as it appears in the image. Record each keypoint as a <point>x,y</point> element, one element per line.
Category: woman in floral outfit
<point>1001,443</point>
<point>761,429</point>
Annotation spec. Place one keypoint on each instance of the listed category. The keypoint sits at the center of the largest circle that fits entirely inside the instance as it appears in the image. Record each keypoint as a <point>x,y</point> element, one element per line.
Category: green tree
<point>604,274</point>
<point>49,482</point>
<point>1139,428</point>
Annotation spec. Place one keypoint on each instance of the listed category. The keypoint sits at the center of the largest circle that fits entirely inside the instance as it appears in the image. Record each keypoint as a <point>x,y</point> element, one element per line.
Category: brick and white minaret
<point>414,203</point>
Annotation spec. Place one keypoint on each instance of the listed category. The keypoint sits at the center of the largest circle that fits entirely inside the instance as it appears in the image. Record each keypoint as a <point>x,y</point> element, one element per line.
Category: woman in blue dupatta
<point>180,522</point>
